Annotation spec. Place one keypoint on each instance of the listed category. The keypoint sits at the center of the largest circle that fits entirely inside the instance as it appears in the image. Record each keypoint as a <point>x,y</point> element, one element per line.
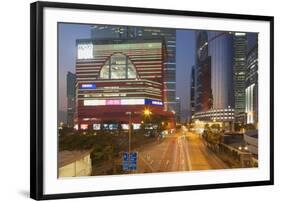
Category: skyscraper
<point>214,68</point>
<point>239,68</point>
<point>251,91</point>
<point>203,96</point>
<point>178,110</point>
<point>221,53</point>
<point>169,35</point>
<point>71,92</point>
<point>192,92</point>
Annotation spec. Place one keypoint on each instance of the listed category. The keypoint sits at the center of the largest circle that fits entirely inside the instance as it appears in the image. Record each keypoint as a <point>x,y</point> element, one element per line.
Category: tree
<point>216,127</point>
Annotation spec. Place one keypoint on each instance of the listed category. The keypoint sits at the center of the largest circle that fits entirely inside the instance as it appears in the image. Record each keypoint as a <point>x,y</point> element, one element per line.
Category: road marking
<point>146,163</point>
<point>186,150</point>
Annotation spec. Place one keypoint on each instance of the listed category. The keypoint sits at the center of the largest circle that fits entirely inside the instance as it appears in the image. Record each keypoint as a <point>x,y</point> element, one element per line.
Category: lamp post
<point>146,112</point>
<point>130,133</point>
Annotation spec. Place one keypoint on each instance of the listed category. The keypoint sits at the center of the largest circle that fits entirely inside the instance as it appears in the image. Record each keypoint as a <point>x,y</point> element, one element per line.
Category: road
<point>182,151</point>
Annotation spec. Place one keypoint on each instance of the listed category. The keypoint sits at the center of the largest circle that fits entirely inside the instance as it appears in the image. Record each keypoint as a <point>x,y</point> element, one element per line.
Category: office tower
<point>70,88</point>
<point>215,51</point>
<point>221,53</point>
<point>192,92</point>
<point>178,110</point>
<point>239,68</point>
<point>203,95</point>
<point>169,35</point>
<point>251,91</point>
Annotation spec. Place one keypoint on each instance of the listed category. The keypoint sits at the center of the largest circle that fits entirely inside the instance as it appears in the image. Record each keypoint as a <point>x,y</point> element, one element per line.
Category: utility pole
<point>130,134</point>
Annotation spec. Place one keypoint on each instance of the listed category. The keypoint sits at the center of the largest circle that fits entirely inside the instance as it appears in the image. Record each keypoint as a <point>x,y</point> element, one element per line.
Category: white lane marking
<point>188,155</point>
<point>146,163</point>
<point>175,154</point>
<point>183,163</point>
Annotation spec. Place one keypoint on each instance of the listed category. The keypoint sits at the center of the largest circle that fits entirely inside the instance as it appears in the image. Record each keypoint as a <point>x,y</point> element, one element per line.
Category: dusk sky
<point>68,33</point>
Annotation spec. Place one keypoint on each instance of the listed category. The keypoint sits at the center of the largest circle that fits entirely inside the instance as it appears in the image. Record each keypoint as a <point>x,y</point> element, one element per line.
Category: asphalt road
<point>182,151</point>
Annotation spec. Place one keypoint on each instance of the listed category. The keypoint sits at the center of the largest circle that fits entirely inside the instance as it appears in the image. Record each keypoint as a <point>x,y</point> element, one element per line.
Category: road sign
<point>130,161</point>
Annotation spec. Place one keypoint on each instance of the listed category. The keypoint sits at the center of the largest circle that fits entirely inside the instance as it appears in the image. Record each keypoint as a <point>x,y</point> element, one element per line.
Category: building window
<point>118,66</point>
<point>104,73</point>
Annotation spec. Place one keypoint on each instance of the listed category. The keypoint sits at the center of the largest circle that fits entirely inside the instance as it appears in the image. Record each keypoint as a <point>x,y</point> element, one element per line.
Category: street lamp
<point>147,112</point>
<point>130,133</point>
<point>130,128</point>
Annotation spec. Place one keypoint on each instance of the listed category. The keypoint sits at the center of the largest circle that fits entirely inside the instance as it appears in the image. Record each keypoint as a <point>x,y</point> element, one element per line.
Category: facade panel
<point>122,76</point>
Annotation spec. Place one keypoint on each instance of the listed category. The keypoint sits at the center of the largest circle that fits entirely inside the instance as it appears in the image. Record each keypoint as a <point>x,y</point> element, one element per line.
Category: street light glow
<point>147,112</point>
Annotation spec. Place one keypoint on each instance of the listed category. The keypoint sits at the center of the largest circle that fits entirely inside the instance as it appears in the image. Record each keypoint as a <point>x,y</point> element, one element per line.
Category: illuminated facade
<point>239,68</point>
<point>70,93</point>
<point>214,80</point>
<point>192,92</point>
<point>118,76</point>
<point>130,32</point>
<point>251,100</point>
<point>221,53</point>
<point>221,115</point>
<point>203,95</point>
<point>178,110</point>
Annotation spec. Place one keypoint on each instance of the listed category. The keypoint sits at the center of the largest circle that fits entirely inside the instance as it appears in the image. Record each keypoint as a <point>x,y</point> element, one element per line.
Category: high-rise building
<point>203,95</point>
<point>215,51</point>
<point>169,35</point>
<point>71,91</point>
<point>221,52</point>
<point>192,92</point>
<point>251,100</point>
<point>178,110</point>
<point>112,32</point>
<point>117,76</point>
<point>239,68</point>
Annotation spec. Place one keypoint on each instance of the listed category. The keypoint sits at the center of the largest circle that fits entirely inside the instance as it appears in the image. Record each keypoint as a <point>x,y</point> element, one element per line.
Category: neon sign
<point>88,86</point>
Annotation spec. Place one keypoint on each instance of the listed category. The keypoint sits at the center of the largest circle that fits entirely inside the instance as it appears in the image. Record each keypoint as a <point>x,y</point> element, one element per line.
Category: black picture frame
<point>36,98</point>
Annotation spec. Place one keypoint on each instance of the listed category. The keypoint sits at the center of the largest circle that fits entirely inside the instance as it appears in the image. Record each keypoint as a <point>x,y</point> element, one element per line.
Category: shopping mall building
<point>118,77</point>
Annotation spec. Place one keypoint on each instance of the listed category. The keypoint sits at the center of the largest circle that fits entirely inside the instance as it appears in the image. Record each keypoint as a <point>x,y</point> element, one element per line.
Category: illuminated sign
<point>88,86</point>
<point>84,126</point>
<point>136,126</point>
<point>94,102</point>
<point>153,102</point>
<point>103,102</point>
<point>240,34</point>
<point>114,102</point>
<point>96,126</point>
<point>132,102</point>
<point>125,126</point>
<point>85,51</point>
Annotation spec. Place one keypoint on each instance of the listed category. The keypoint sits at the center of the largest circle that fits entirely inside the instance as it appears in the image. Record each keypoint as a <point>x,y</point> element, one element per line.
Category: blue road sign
<point>125,156</point>
<point>130,161</point>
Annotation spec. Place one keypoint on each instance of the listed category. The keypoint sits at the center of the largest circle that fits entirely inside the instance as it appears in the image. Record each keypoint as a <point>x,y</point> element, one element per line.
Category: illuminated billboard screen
<point>88,86</point>
<point>101,102</point>
<point>85,51</point>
